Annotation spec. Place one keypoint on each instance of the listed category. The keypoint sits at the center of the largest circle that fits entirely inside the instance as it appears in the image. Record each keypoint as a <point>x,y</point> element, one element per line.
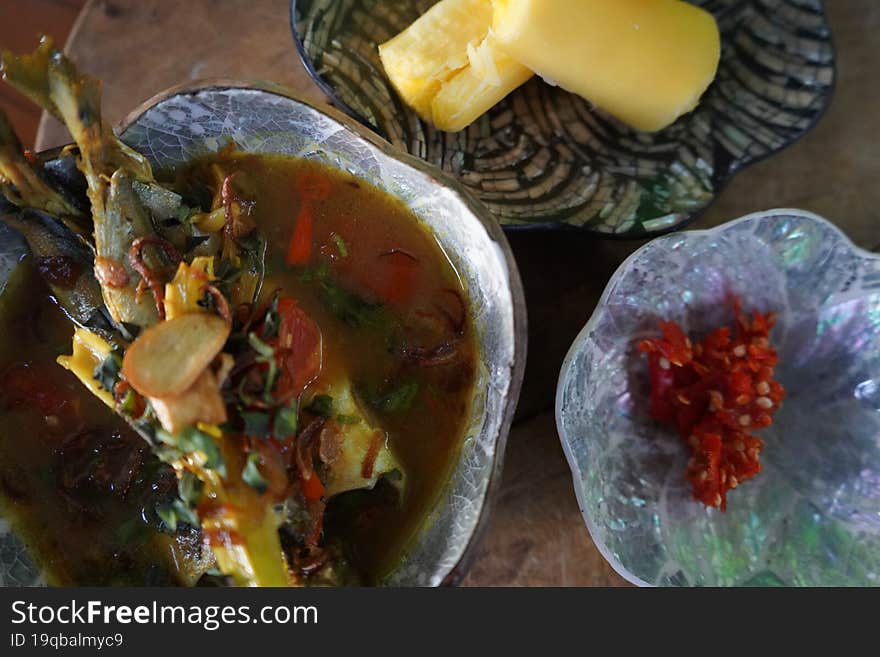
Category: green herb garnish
<point>256,423</point>
<point>176,512</point>
<point>342,418</point>
<point>107,373</point>
<point>190,489</point>
<point>184,212</point>
<point>341,246</point>
<point>272,320</point>
<point>321,405</point>
<point>319,273</point>
<point>192,439</point>
<point>260,347</point>
<point>347,306</point>
<point>399,399</point>
<point>251,474</point>
<point>286,421</point>
<point>128,404</point>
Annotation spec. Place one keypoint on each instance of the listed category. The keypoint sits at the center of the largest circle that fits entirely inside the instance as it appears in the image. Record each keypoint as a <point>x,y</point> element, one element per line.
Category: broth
<point>385,298</point>
<point>77,485</point>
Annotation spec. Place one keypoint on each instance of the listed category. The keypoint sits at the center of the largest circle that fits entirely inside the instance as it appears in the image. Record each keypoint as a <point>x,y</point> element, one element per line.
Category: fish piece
<point>364,453</point>
<point>21,184</point>
<point>29,73</point>
<point>162,203</point>
<point>110,169</point>
<point>109,166</point>
<point>123,221</point>
<point>67,266</point>
<point>77,98</point>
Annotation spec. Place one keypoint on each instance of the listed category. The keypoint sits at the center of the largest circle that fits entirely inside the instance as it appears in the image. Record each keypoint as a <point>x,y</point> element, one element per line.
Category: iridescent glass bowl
<point>196,119</point>
<point>812,517</point>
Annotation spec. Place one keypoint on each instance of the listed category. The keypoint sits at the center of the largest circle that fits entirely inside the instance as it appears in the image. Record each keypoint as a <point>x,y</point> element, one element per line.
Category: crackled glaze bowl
<point>544,158</point>
<point>194,120</point>
<point>812,517</point>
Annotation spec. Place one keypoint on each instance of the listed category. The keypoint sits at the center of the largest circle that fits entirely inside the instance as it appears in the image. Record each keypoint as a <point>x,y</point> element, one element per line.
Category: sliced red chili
<point>299,250</point>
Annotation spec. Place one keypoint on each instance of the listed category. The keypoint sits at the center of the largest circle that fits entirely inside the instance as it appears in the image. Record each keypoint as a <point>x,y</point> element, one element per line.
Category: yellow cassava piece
<point>445,65</point>
<point>646,62</point>
<point>167,358</point>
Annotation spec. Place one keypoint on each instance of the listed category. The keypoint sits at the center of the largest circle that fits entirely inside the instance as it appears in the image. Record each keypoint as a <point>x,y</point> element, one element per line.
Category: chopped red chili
<point>715,393</point>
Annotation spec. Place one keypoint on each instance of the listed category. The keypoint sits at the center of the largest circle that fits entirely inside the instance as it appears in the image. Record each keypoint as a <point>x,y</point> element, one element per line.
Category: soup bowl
<point>197,119</point>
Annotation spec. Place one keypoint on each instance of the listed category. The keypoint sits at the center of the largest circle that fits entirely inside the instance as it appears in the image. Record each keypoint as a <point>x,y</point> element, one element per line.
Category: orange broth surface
<point>380,289</point>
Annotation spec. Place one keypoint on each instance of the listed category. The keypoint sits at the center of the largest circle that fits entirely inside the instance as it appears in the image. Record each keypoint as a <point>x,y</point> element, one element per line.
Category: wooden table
<point>537,536</point>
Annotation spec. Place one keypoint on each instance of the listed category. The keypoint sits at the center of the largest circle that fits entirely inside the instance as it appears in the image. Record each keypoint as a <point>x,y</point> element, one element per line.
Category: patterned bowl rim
<point>584,335</point>
<point>518,307</point>
<point>718,186</point>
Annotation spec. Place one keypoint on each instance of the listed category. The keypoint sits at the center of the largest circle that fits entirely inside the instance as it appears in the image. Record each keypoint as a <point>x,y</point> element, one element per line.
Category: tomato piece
<point>299,349</point>
<point>396,279</point>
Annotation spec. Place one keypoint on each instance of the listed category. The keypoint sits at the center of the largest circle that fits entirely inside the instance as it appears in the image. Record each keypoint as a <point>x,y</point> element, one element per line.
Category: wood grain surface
<point>536,536</point>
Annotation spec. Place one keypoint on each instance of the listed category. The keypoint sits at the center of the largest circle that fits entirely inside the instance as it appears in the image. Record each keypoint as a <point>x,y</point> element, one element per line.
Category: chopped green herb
<point>128,404</point>
<point>194,241</point>
<point>207,302</point>
<point>251,474</point>
<point>319,273</point>
<point>272,320</point>
<point>183,212</point>
<point>192,439</point>
<point>399,399</point>
<point>227,273</point>
<point>321,405</point>
<point>286,421</point>
<point>347,306</point>
<point>256,423</point>
<point>190,489</point>
<point>342,418</point>
<point>255,246</point>
<point>341,246</point>
<point>107,373</point>
<point>260,347</point>
<point>271,377</point>
<point>176,512</point>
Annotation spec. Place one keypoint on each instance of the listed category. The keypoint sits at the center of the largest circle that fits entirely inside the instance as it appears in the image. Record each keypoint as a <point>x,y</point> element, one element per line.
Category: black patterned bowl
<point>545,158</point>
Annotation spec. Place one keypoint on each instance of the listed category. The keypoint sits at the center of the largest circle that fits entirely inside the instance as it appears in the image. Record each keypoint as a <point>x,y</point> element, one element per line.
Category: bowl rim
<point>719,184</point>
<point>584,335</point>
<point>518,305</point>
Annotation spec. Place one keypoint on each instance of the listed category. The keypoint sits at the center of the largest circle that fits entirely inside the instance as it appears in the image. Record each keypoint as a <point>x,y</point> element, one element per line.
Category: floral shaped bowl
<point>544,158</point>
<point>198,118</point>
<point>812,516</point>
